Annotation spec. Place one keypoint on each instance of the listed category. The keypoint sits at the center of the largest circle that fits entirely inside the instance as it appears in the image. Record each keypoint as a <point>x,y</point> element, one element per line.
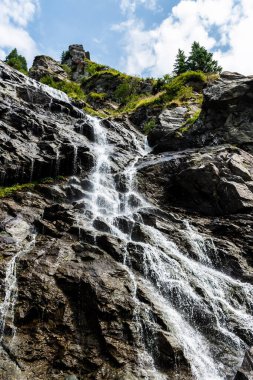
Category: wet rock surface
<point>91,303</point>
<point>246,371</point>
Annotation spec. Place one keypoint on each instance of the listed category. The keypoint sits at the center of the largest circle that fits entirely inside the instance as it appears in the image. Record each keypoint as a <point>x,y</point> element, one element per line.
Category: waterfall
<point>52,92</point>
<point>25,242</point>
<point>199,304</point>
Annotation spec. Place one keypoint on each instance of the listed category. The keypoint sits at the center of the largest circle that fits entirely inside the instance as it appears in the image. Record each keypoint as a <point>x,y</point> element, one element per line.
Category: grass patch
<point>92,67</point>
<point>189,122</point>
<point>10,190</point>
<point>7,191</point>
<point>178,84</point>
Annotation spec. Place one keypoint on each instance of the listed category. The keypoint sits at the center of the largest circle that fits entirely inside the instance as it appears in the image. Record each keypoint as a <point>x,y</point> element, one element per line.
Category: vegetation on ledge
<point>189,122</point>
<point>104,91</point>
<point>10,190</point>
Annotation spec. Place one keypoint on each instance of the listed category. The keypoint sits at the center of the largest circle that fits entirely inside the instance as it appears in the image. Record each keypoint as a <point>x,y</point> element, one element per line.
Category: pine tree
<point>65,56</point>
<point>180,65</point>
<point>17,61</point>
<point>202,60</point>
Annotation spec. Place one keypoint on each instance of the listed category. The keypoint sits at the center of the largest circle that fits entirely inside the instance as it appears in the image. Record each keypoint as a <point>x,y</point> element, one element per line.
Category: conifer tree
<point>199,60</point>
<point>202,60</point>
<point>180,65</point>
<point>17,61</point>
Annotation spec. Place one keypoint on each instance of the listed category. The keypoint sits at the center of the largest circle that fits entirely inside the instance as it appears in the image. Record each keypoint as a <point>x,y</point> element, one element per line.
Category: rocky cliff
<point>121,261</point>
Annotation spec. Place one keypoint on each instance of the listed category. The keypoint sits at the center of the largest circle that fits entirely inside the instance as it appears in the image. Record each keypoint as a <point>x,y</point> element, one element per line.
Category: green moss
<point>7,191</point>
<point>10,190</point>
<point>148,101</point>
<point>72,89</point>
<point>47,180</point>
<point>97,96</point>
<point>189,122</point>
<point>105,70</point>
<point>148,126</point>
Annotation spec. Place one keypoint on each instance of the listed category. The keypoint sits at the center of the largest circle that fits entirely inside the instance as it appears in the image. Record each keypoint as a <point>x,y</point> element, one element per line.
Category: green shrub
<point>148,126</point>
<point>126,92</point>
<point>185,93</point>
<point>66,68</point>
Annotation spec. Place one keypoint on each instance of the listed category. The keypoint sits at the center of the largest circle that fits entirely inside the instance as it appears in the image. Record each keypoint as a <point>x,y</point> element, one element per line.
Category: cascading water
<point>185,290</point>
<point>24,243</point>
<point>199,304</point>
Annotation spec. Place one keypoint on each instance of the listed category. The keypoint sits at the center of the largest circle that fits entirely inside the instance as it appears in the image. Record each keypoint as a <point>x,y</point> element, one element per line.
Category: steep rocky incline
<point>116,262</point>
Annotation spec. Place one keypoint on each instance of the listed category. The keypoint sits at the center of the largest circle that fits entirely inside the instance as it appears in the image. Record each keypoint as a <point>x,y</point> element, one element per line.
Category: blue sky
<point>136,36</point>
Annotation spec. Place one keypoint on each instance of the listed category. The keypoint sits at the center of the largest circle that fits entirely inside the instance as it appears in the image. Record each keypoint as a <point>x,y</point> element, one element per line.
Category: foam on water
<point>185,289</point>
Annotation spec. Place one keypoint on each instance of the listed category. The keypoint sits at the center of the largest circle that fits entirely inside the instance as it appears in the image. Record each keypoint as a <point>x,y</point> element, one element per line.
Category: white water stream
<point>24,242</point>
<point>202,307</point>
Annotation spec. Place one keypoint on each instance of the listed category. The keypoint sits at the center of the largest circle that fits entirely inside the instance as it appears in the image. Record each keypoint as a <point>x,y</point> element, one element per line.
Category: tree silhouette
<point>202,60</point>
<point>199,60</point>
<point>17,61</point>
<point>180,65</point>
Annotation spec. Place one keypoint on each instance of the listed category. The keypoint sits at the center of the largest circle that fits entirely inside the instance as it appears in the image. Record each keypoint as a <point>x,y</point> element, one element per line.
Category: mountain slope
<point>119,262</point>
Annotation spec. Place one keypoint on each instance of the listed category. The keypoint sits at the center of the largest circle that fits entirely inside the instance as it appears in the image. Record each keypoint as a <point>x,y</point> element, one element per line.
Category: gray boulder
<point>47,66</point>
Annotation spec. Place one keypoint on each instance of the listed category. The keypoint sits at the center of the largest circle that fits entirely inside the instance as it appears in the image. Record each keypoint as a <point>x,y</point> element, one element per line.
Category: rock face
<point>35,142</point>
<point>46,66</point>
<point>213,181</point>
<point>226,118</point>
<point>130,265</point>
<point>75,59</point>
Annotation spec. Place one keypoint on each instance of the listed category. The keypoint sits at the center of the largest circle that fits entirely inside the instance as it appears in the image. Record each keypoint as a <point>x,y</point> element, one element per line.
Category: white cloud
<point>225,27</point>
<point>15,16</point>
<point>129,6</point>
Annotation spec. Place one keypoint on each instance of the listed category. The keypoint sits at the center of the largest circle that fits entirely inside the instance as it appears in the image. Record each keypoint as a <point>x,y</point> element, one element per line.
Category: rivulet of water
<point>10,284</point>
<point>201,306</point>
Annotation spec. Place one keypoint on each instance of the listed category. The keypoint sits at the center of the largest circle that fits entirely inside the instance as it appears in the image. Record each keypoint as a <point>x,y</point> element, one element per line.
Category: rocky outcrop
<point>36,141</point>
<point>75,57</point>
<point>213,181</point>
<point>226,118</point>
<point>44,66</point>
